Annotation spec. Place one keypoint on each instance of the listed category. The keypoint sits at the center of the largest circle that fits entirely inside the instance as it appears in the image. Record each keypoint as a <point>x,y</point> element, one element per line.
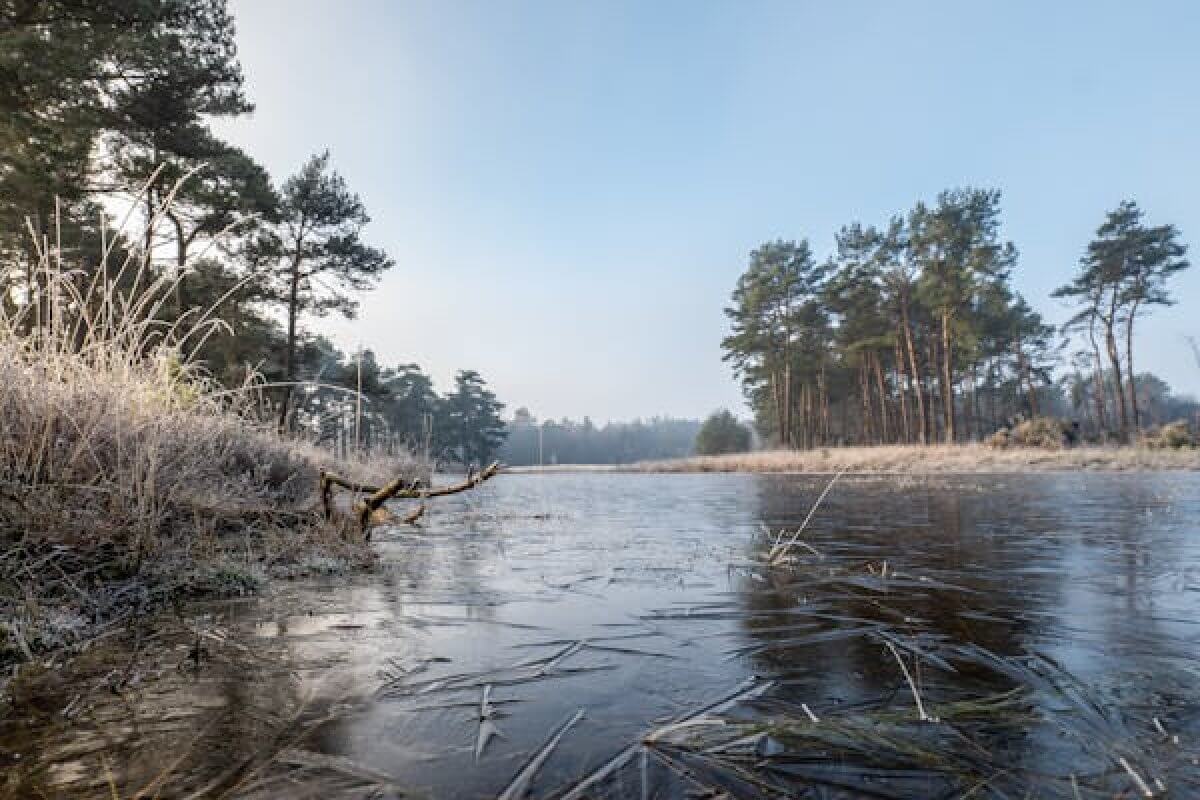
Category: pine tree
<point>957,244</point>
<point>472,428</point>
<point>73,70</point>
<point>413,404</point>
<point>1123,272</point>
<point>313,255</point>
<point>774,315</point>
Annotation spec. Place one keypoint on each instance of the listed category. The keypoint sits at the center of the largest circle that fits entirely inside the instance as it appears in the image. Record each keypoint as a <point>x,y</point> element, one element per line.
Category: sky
<point>570,189</point>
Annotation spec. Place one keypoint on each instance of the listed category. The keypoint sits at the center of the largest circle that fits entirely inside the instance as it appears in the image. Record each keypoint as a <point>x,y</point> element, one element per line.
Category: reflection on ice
<point>1047,625</point>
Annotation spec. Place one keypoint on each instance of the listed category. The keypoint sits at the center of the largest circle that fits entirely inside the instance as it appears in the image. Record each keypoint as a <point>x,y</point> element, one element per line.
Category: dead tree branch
<point>370,509</point>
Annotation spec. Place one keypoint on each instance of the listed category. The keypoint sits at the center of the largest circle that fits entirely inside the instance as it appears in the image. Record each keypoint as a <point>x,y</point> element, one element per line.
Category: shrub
<point>1047,433</point>
<point>1172,436</point>
<point>998,440</point>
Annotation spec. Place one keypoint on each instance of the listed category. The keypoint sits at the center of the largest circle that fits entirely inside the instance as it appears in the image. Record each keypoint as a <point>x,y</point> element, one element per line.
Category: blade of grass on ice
<point>519,786</point>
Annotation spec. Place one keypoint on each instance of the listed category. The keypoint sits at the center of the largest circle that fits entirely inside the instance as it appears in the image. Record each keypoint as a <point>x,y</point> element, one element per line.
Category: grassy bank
<point>915,459</point>
<point>129,481</point>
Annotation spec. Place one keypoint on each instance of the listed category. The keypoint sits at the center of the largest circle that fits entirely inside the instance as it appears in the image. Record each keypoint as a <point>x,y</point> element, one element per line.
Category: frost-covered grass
<point>917,459</point>
<point>127,476</point>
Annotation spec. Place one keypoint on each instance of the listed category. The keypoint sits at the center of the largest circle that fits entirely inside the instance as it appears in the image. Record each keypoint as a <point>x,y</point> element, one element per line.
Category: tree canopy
<point>312,255</point>
<point>721,433</point>
<point>1123,274</point>
<point>107,102</point>
<point>912,331</point>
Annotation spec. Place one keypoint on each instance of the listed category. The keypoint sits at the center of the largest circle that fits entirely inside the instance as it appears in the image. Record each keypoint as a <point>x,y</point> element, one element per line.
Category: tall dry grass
<point>917,459</point>
<point>127,475</point>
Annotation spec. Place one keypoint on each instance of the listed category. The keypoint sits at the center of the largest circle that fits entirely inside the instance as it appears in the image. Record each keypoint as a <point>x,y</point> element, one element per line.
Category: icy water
<point>982,636</point>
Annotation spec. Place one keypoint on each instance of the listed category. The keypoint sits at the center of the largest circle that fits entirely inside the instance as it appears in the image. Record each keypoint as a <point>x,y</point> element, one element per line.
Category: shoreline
<point>933,460</point>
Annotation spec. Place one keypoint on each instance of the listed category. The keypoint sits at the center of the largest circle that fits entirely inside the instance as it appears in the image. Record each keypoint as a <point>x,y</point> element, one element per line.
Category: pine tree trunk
<point>915,372</point>
<point>883,405</point>
<point>991,380</point>
<point>1098,380</point>
<point>1114,357</point>
<point>898,371</point>
<point>934,391</point>
<point>1133,399</point>
<point>148,235</point>
<point>824,400</point>
<point>865,388</point>
<point>972,423</point>
<point>1026,379</point>
<point>181,253</point>
<point>787,402</point>
<point>806,416</point>
<point>289,357</point>
<point>783,423</point>
<point>845,419</point>
<point>780,411</point>
<point>812,401</point>
<point>947,379</point>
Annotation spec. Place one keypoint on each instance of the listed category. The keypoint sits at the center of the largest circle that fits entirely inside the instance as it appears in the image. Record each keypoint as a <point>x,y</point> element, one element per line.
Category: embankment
<point>129,480</point>
<point>934,459</point>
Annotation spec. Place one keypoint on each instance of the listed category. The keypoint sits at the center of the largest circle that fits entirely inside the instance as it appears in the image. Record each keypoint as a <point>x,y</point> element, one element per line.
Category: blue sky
<point>570,189</point>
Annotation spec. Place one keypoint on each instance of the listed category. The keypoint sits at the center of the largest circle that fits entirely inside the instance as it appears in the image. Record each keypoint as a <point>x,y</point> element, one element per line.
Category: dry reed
<point>942,459</point>
<point>127,476</point>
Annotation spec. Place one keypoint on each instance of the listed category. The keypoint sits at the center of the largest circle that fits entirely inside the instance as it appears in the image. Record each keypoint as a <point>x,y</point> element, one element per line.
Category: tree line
<point>911,332</point>
<point>396,409</point>
<point>530,442</point>
<point>1085,393</point>
<point>109,103</point>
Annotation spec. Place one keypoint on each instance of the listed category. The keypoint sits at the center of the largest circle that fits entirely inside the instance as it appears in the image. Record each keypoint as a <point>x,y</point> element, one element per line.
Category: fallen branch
<point>411,517</point>
<point>368,510</point>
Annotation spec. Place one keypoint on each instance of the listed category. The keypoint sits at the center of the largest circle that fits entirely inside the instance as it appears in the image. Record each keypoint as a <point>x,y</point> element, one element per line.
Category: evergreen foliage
<point>912,333</point>
<point>721,433</point>
<point>1121,276</point>
<point>313,254</point>
<point>474,429</point>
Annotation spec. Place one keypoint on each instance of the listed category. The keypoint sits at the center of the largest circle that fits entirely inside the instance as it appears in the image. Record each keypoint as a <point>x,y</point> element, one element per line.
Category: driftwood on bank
<point>369,510</point>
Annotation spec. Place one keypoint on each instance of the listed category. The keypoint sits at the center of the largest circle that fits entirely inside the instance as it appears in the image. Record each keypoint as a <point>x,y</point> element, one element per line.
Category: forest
<point>108,111</point>
<point>909,332</point>
<point>566,441</point>
<point>912,332</point>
